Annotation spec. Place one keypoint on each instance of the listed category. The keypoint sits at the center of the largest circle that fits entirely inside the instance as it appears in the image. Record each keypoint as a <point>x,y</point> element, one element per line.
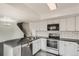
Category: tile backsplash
<point>42,33</point>
<point>70,35</point>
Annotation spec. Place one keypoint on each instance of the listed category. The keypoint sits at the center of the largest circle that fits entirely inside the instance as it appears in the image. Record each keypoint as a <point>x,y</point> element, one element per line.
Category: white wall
<point>10,32</point>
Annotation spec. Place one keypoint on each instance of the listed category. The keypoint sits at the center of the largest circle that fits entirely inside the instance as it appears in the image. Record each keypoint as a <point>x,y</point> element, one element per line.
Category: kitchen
<point>31,29</point>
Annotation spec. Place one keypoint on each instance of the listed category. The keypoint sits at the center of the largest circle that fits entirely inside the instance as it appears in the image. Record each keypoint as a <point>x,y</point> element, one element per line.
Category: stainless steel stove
<point>52,42</point>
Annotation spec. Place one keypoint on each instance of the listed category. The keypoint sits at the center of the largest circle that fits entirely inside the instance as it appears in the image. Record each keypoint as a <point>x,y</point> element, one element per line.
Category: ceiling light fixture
<point>52,6</point>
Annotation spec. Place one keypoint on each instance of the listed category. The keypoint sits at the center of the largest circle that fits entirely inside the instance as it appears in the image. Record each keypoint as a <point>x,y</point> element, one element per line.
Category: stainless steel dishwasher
<point>26,49</point>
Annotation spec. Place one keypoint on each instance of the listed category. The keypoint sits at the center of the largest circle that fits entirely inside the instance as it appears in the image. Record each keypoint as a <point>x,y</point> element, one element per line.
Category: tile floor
<point>43,53</point>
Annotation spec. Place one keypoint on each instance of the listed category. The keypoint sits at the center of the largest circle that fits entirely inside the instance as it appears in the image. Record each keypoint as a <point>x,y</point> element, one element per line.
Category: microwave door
<point>52,27</point>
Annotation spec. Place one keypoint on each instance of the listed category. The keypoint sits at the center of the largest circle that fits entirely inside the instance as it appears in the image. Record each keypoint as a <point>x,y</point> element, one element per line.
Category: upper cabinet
<point>39,26</point>
<point>70,24</point>
<point>62,24</point>
<point>67,24</point>
<point>42,26</point>
<point>77,23</point>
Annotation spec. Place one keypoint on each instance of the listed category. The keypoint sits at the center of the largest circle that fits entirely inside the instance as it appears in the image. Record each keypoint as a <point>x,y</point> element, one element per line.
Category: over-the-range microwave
<point>53,27</point>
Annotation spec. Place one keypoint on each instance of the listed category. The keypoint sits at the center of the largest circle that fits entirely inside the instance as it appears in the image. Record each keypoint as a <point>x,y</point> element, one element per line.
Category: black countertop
<point>13,43</point>
<point>16,42</point>
<point>70,40</point>
<point>64,39</point>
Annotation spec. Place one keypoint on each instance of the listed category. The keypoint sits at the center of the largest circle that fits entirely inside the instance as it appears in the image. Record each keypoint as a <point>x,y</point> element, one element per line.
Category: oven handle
<point>53,40</point>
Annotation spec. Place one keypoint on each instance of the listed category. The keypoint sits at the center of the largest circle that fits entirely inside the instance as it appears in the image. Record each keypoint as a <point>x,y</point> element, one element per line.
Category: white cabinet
<point>43,44</point>
<point>67,24</point>
<point>39,26</point>
<point>77,23</point>
<point>12,51</point>
<point>63,24</point>
<point>70,24</point>
<point>36,46</point>
<point>39,44</point>
<point>42,26</point>
<point>71,49</point>
<point>61,47</point>
<point>67,48</point>
<point>78,50</point>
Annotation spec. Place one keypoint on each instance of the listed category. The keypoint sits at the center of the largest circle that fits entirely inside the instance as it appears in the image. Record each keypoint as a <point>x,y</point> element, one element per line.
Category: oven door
<point>52,44</point>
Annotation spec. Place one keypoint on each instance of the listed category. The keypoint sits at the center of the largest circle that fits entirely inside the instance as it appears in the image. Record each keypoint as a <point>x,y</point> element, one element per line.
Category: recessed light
<point>52,6</point>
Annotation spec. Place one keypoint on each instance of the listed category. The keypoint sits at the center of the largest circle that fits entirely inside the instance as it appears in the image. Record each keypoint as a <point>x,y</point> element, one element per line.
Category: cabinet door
<point>36,46</point>
<point>70,24</point>
<point>67,24</point>
<point>67,48</point>
<point>70,49</point>
<point>8,50</point>
<point>77,23</point>
<point>42,26</point>
<point>39,44</point>
<point>78,50</point>
<point>61,48</point>
<point>63,24</point>
<point>43,44</point>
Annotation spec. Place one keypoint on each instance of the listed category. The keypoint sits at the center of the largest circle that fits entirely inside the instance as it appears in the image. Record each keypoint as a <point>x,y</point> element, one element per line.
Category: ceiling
<point>36,11</point>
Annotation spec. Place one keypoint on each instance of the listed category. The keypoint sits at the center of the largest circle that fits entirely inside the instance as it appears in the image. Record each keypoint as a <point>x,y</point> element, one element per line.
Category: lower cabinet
<point>43,44</point>
<point>39,44</point>
<point>36,46</point>
<point>12,51</point>
<point>78,50</point>
<point>68,48</point>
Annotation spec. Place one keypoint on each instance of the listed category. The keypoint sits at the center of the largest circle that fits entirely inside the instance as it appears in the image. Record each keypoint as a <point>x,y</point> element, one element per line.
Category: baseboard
<point>36,52</point>
<point>47,52</point>
<point>51,53</point>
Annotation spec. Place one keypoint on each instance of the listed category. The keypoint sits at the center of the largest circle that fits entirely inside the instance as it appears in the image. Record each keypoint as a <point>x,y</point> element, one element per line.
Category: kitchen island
<point>19,47</point>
